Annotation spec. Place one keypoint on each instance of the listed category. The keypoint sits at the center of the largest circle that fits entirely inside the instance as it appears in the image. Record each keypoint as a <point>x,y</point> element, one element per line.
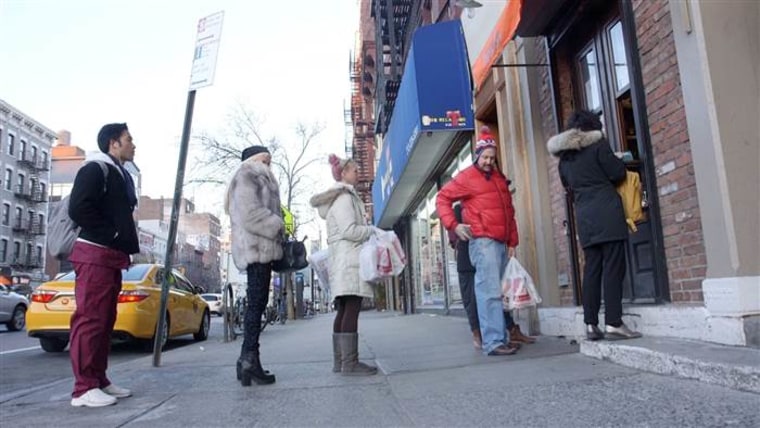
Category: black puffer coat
<point>588,167</point>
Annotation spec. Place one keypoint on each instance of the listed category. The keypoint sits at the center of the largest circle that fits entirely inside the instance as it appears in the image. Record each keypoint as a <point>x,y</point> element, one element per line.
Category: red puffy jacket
<point>486,202</point>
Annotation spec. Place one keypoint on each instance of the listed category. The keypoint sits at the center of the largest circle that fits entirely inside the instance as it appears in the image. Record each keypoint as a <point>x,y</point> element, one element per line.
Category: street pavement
<point>430,376</point>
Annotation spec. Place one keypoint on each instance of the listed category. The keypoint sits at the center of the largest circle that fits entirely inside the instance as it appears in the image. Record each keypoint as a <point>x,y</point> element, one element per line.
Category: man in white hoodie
<point>101,204</point>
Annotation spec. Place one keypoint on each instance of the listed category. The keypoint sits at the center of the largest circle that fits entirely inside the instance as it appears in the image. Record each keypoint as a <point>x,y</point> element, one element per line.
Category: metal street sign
<point>206,48</point>
<point>204,64</point>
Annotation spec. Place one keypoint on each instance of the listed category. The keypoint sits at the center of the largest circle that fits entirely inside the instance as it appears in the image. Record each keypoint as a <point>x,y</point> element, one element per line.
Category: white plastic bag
<point>319,261</point>
<point>395,252</point>
<point>381,257</point>
<point>518,290</point>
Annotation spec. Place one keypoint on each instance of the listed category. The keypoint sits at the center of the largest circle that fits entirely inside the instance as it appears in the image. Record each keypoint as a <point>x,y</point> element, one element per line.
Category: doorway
<point>592,59</point>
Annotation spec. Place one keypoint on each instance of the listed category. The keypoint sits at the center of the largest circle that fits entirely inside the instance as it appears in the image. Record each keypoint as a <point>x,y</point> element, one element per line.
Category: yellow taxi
<point>139,303</point>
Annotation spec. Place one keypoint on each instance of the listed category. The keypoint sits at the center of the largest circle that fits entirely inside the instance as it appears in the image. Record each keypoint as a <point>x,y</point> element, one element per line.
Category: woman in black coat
<point>591,171</point>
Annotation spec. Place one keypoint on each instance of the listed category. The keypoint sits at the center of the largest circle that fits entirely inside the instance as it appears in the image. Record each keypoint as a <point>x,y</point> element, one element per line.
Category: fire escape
<point>359,119</point>
<point>30,225</point>
<point>395,21</point>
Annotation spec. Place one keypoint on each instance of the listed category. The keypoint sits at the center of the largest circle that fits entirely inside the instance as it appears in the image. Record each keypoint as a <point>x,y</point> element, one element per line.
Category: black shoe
<point>502,350</point>
<point>250,370</point>
<point>593,332</point>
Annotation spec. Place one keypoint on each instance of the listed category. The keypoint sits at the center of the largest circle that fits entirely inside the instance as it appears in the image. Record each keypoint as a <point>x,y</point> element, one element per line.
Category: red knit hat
<point>336,166</point>
<point>485,141</point>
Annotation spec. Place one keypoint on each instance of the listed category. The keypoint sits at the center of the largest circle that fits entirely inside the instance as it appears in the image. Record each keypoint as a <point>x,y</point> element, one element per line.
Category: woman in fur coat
<point>591,171</point>
<point>344,213</point>
<point>253,204</point>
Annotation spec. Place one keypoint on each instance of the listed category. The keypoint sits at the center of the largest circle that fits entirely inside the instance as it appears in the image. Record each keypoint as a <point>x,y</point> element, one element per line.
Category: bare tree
<point>219,156</point>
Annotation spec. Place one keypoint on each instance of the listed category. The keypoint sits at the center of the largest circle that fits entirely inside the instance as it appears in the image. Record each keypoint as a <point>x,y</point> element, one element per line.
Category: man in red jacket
<point>489,226</point>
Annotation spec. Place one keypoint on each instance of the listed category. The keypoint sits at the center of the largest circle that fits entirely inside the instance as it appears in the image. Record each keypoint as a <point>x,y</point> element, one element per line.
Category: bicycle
<point>237,317</point>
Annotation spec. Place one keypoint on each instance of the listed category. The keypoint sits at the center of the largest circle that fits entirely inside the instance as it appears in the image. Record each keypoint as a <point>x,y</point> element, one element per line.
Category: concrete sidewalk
<point>431,376</point>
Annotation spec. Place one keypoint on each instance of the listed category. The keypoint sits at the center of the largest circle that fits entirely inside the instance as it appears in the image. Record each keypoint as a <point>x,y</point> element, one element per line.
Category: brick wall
<point>150,209</point>
<point>676,184</point>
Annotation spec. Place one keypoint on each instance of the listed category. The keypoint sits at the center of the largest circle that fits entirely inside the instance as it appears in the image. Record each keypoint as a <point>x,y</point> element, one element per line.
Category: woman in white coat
<point>343,211</point>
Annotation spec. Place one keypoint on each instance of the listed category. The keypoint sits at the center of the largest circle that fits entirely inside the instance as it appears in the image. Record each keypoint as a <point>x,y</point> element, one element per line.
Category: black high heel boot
<point>250,369</point>
<point>239,368</point>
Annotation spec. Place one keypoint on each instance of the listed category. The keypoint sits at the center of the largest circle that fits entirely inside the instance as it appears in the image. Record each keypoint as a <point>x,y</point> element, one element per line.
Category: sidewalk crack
<point>148,410</point>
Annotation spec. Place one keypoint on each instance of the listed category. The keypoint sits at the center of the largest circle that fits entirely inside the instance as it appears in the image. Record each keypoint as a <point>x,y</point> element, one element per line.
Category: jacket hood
<point>323,201</point>
<point>101,157</point>
<point>572,139</point>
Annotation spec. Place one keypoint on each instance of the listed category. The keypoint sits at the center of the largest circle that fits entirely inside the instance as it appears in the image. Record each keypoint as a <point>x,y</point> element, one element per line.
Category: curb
<point>739,377</point>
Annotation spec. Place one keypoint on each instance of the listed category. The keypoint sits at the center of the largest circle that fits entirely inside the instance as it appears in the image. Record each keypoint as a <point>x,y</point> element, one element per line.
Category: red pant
<point>98,283</point>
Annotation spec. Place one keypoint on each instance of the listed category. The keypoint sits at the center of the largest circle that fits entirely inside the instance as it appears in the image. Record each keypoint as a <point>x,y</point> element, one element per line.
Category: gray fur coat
<point>253,204</point>
<point>347,230</point>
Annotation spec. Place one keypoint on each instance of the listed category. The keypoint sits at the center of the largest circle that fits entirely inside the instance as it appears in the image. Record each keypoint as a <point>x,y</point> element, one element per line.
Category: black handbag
<point>293,257</point>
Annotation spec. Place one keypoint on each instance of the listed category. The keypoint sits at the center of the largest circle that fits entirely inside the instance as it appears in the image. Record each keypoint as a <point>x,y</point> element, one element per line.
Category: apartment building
<point>25,164</point>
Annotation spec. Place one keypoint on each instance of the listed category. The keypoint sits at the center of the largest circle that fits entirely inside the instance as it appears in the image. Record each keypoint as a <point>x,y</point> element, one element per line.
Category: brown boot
<point>515,335</point>
<point>477,342</point>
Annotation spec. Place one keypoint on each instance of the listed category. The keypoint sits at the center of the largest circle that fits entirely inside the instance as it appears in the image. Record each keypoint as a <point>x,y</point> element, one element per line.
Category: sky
<point>78,64</point>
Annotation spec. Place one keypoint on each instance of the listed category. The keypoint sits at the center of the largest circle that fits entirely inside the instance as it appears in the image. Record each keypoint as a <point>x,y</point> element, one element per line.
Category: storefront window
<point>429,281</point>
<point>433,259</point>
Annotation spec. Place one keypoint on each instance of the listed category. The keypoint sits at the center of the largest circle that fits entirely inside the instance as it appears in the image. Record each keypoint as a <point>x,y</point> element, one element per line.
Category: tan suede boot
<point>349,349</point>
<point>336,353</point>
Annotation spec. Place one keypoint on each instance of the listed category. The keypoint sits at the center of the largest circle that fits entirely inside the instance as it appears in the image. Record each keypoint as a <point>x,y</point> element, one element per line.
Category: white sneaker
<point>93,398</point>
<point>117,391</point>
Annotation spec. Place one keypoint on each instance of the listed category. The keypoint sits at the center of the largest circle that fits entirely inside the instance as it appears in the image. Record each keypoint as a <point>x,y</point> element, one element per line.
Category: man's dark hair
<point>109,132</point>
<point>584,120</point>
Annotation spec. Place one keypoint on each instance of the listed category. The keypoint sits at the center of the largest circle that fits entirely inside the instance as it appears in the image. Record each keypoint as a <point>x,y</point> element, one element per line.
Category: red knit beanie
<point>485,141</point>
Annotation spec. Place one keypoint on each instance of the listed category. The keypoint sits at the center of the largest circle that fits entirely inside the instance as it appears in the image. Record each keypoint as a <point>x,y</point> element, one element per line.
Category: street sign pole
<point>173,224</point>
<point>202,75</point>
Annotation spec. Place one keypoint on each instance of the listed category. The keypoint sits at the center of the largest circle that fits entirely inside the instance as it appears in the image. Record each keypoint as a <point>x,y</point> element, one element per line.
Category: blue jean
<point>489,258</point>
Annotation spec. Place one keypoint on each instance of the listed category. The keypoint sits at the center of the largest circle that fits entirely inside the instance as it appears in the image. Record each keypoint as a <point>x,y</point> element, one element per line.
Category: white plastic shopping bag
<point>319,261</point>
<point>381,257</point>
<point>394,252</point>
<point>518,290</point>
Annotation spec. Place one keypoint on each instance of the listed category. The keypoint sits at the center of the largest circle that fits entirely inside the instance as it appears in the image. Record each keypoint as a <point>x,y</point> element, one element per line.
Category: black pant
<point>257,293</point>
<point>467,288</point>
<point>605,264</point>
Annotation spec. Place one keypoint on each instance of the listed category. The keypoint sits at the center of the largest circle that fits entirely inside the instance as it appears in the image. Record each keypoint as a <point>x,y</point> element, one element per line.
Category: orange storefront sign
<point>501,34</point>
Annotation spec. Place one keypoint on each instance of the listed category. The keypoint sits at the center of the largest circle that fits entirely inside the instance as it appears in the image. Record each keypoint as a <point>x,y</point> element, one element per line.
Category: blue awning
<point>434,103</point>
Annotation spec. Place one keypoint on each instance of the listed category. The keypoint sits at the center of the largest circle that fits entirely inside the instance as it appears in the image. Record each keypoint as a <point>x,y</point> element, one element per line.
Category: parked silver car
<point>12,309</point>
